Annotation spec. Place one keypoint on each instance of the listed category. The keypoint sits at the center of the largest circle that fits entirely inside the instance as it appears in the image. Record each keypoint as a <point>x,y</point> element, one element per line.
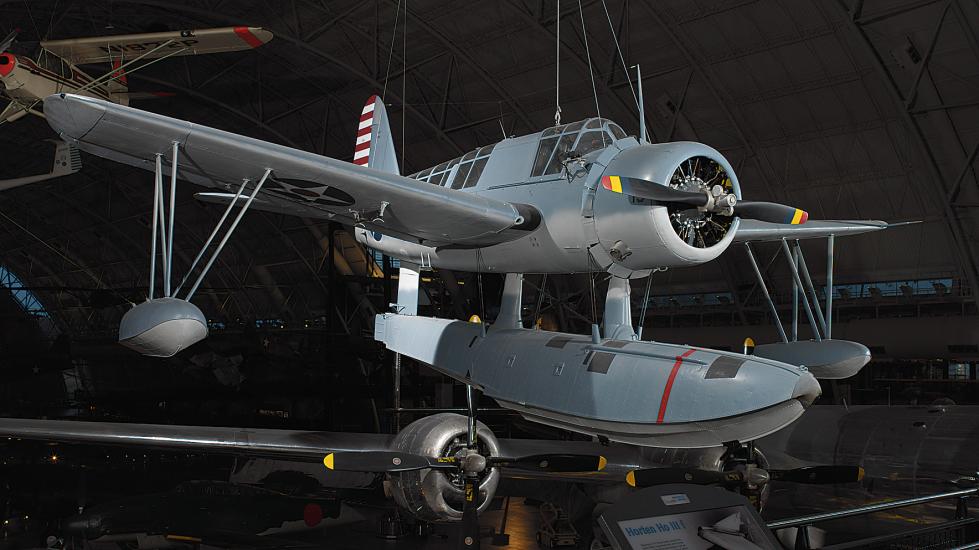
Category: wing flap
<point>99,49</point>
<point>335,189</point>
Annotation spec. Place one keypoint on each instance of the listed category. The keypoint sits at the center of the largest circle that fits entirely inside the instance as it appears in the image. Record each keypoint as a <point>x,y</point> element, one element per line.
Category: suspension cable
<point>591,71</point>
<point>618,48</point>
<point>404,82</point>
<point>394,36</point>
<point>557,65</point>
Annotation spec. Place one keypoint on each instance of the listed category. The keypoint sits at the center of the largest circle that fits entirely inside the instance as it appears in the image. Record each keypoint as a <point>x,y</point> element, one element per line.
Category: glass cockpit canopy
<point>556,144</point>
<point>573,140</point>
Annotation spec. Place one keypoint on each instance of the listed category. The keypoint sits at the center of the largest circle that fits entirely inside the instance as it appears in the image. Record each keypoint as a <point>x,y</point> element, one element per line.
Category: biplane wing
<point>754,230</point>
<point>300,182</point>
<point>99,49</point>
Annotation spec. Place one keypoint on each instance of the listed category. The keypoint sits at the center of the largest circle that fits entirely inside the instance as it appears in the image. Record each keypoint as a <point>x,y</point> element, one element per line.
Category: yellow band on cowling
<point>797,217</point>
<point>616,183</point>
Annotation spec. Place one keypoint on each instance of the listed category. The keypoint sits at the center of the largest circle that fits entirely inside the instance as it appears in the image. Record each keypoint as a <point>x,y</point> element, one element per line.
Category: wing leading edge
<point>302,183</point>
<point>754,230</point>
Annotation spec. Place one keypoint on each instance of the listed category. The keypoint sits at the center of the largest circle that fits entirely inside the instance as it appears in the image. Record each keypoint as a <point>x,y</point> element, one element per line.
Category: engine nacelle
<point>431,495</point>
<point>637,234</point>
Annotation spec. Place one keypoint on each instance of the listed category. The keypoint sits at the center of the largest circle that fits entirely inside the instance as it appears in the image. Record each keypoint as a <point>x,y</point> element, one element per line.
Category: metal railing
<point>804,522</point>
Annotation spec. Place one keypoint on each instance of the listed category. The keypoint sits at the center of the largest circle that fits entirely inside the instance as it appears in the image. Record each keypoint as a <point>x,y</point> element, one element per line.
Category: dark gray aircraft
<point>905,451</point>
<point>581,197</point>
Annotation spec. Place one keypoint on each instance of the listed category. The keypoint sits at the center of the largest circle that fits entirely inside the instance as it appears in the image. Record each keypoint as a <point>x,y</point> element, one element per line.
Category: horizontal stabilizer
<point>99,49</point>
<point>753,230</point>
<point>826,359</point>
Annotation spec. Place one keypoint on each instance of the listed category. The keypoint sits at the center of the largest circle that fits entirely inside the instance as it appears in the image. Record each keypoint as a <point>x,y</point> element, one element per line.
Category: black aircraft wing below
<point>251,442</point>
<point>304,446</point>
<point>300,183</point>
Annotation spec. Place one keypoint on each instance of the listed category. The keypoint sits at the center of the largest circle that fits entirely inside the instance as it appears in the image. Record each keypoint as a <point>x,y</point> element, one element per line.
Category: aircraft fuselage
<point>583,227</point>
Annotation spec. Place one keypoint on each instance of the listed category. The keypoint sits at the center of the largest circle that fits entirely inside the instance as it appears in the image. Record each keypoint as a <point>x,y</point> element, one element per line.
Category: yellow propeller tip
<point>860,474</point>
<point>328,461</point>
<point>475,319</point>
<point>602,462</point>
<point>749,342</point>
<point>630,478</point>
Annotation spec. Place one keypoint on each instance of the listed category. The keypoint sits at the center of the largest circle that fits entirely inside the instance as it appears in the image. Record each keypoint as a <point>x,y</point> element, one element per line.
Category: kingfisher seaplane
<point>579,197</point>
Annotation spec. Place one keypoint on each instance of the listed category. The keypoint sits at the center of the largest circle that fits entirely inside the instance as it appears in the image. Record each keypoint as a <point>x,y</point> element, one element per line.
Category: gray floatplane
<point>580,197</point>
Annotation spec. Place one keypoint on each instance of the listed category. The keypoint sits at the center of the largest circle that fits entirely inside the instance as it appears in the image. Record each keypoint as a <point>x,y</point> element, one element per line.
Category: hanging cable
<point>394,36</point>
<point>404,81</point>
<point>557,64</point>
<point>591,71</point>
<point>618,48</point>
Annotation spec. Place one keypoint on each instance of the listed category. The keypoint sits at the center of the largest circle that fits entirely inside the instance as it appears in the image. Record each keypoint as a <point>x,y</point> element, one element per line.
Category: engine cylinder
<point>432,495</point>
<point>639,234</point>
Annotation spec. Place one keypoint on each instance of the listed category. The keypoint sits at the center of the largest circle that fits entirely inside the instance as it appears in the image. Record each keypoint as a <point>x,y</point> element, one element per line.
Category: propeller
<point>467,462</point>
<point>715,200</point>
<point>9,40</point>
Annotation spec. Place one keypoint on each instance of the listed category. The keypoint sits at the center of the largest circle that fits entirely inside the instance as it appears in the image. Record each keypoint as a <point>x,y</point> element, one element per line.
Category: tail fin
<point>375,143</point>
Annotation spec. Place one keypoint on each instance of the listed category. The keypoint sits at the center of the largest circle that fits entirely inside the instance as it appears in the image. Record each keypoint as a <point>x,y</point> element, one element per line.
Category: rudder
<point>375,143</point>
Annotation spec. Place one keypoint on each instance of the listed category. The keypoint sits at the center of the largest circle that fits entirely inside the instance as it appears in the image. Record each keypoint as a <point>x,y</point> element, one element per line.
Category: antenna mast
<point>642,111</point>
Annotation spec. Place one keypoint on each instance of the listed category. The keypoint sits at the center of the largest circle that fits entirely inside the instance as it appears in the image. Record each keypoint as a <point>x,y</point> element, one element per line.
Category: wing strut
<point>231,229</point>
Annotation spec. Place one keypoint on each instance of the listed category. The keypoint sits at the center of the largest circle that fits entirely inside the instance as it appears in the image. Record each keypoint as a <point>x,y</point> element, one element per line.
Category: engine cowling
<point>636,234</point>
<point>432,495</point>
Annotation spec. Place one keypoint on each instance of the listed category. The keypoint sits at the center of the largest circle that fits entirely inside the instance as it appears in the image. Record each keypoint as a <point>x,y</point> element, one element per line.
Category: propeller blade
<point>819,474</point>
<point>555,463</point>
<point>469,530</point>
<point>660,476</point>
<point>9,40</point>
<point>770,212</point>
<point>652,191</point>
<point>384,461</point>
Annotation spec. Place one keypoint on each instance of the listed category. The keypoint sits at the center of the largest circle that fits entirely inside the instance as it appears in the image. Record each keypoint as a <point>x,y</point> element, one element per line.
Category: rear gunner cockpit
<point>556,145</point>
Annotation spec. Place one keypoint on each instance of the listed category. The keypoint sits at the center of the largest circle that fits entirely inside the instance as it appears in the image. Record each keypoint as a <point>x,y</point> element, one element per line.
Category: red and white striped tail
<point>362,151</point>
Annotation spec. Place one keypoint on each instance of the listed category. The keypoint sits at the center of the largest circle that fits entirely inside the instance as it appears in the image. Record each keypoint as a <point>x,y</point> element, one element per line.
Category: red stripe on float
<point>248,37</point>
<point>367,116</point>
<point>669,385</point>
<point>362,161</point>
<point>364,131</point>
<point>362,146</point>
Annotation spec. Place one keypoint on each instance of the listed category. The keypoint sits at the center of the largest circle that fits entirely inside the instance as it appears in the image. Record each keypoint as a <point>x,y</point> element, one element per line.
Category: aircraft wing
<point>252,442</point>
<point>98,49</point>
<point>754,230</point>
<point>301,183</point>
<point>302,446</point>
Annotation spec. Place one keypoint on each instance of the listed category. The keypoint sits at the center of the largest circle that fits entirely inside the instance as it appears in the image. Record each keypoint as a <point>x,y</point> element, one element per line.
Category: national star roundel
<point>309,191</point>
